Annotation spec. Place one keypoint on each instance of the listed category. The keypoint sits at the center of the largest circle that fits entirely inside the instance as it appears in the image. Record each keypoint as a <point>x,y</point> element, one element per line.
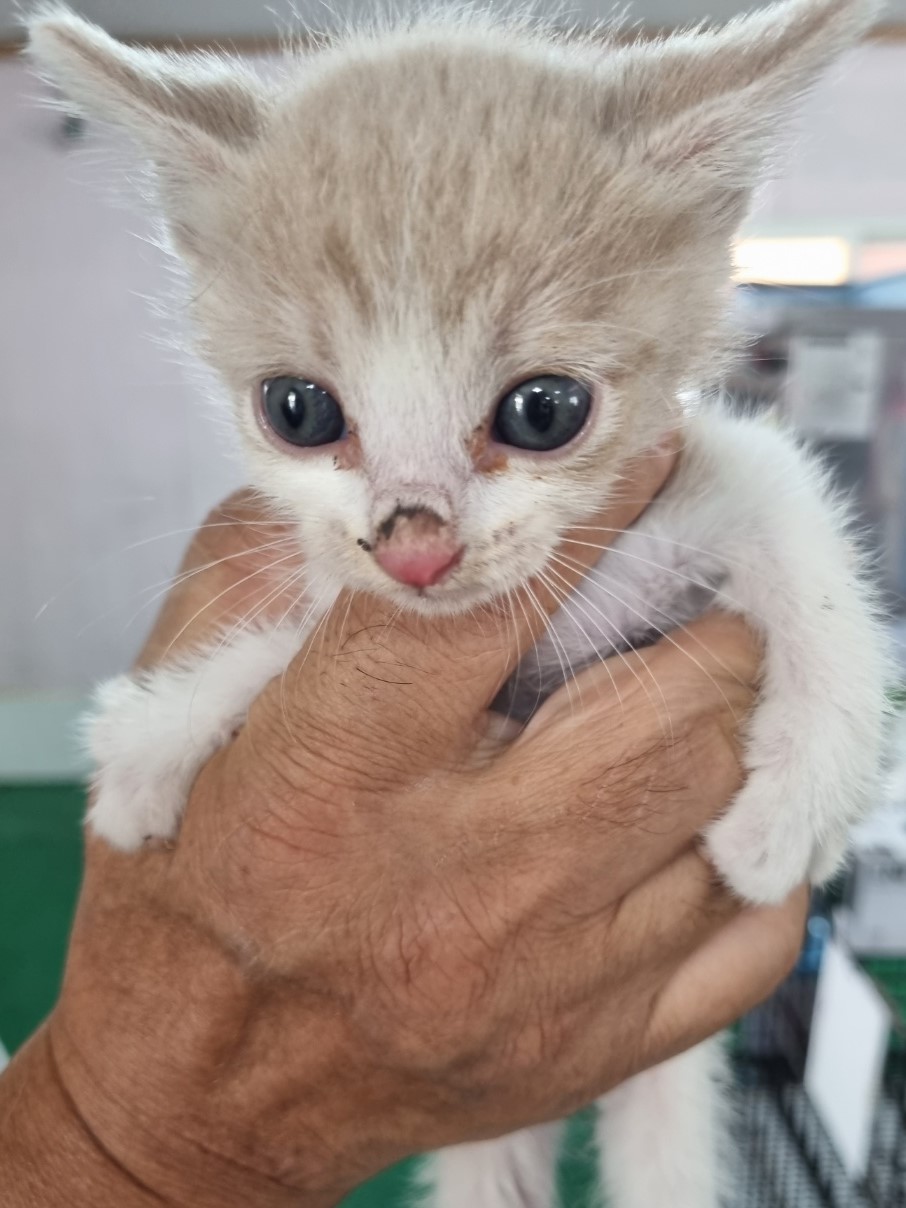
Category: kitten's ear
<point>157,96</point>
<point>191,114</point>
<point>707,104</point>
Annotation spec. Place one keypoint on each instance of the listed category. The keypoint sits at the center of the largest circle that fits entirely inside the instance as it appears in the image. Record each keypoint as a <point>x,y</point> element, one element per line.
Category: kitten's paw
<point>140,785</point>
<point>150,736</point>
<point>131,805</point>
<point>762,857</point>
<point>829,859</point>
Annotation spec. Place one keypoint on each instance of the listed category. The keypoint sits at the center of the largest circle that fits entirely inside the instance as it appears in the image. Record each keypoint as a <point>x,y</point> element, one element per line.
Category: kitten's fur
<point>419,216</point>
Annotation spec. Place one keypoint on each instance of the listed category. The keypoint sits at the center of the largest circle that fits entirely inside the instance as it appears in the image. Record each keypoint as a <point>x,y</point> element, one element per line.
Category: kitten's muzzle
<point>417,547</point>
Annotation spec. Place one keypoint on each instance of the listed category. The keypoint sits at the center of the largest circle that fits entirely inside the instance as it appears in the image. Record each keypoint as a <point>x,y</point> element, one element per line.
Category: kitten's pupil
<point>293,409</point>
<point>543,413</point>
<point>540,409</point>
<point>301,412</point>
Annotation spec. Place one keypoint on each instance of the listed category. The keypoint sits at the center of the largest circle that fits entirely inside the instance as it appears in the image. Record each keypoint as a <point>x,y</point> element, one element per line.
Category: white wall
<point>102,443</point>
<point>251,18</point>
<point>848,166</point>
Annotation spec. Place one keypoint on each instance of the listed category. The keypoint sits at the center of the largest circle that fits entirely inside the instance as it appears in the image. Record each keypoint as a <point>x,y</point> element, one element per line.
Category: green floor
<point>39,876</point>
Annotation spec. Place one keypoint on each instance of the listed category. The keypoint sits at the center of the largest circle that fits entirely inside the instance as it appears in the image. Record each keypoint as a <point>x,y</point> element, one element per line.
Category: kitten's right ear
<point>705,106</point>
<point>192,114</point>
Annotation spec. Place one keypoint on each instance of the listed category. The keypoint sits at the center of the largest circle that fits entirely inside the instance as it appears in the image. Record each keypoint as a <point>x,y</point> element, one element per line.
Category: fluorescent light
<point>806,261</point>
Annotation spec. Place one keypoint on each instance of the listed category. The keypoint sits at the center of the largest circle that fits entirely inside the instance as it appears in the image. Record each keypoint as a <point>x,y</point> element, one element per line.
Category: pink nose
<point>418,565</point>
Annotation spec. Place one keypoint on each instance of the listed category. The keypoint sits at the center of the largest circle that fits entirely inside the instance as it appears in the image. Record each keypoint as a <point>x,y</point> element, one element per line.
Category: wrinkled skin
<point>388,925</point>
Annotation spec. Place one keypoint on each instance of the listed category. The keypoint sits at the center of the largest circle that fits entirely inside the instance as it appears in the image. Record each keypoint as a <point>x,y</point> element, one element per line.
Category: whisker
<point>226,591</point>
<point>94,563</point>
<point>510,616</point>
<point>670,620</point>
<point>558,647</point>
<point>623,532</point>
<point>163,587</point>
<point>160,589</point>
<point>310,640</point>
<point>233,632</point>
<point>248,619</point>
<point>577,592</point>
<point>513,683</point>
<point>311,611</point>
<point>646,621</point>
<point>716,589</point>
<point>563,597</point>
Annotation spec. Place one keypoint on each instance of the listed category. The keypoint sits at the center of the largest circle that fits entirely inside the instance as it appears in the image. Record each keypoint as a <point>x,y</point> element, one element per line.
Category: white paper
<point>835,384</point>
<point>847,1049</point>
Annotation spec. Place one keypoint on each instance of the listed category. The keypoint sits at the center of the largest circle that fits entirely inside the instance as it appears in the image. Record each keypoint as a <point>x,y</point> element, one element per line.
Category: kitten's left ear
<point>191,114</point>
<point>706,105</point>
<point>159,97</point>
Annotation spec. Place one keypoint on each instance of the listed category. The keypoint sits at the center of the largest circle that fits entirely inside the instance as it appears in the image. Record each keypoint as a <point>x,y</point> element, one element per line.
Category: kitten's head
<point>453,273</point>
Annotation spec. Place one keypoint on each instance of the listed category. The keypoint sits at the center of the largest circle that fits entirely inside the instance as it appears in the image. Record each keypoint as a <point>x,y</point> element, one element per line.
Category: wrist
<point>52,1155</point>
<point>150,1056</point>
<point>49,1156</point>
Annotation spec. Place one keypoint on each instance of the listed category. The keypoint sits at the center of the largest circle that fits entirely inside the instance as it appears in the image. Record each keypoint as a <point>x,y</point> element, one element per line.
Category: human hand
<point>384,927</point>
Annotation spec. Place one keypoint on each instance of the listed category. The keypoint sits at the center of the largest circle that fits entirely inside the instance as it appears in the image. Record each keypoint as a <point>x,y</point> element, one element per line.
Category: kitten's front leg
<point>813,746</point>
<point>661,1136</point>
<point>514,1171</point>
<point>150,734</point>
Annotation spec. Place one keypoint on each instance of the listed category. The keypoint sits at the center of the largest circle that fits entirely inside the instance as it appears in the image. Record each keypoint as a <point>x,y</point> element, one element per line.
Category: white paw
<point>143,777</point>
<point>763,853</point>
<point>135,803</point>
<point>150,736</point>
<point>829,858</point>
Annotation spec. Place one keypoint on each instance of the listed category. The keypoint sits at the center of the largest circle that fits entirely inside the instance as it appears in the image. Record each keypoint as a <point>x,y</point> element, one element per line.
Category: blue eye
<point>302,412</point>
<point>543,413</point>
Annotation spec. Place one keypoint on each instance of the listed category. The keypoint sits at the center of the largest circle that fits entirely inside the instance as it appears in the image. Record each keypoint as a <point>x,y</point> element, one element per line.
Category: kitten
<point>453,274</point>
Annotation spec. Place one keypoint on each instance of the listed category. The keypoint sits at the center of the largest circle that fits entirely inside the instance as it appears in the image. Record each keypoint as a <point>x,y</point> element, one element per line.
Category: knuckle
<point>711,751</point>
<point>537,1041</point>
<point>735,647</point>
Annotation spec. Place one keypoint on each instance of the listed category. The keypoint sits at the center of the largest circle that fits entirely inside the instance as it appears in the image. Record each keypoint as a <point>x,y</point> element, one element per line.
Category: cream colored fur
<point>417,217</point>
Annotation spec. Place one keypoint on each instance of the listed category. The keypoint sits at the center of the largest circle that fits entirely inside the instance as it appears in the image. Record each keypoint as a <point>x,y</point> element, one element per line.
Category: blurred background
<point>109,457</point>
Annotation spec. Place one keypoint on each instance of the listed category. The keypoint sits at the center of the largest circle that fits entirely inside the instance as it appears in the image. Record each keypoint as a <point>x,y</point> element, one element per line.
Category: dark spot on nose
<point>364,544</point>
<point>428,517</point>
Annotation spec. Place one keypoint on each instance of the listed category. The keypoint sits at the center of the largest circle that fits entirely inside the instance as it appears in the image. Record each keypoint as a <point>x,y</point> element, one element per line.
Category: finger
<point>371,667</point>
<point>731,973</point>
<point>655,931</point>
<point>717,646</point>
<point>712,661</point>
<point>630,764</point>
<point>731,969</point>
<point>649,925</point>
<point>677,909</point>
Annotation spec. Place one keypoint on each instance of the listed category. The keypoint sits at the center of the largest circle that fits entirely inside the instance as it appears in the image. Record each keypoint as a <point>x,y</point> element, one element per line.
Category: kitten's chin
<point>439,601</point>
<point>447,599</point>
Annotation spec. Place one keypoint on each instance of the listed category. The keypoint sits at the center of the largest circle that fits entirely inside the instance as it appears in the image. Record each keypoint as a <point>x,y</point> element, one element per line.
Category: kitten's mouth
<point>439,599</point>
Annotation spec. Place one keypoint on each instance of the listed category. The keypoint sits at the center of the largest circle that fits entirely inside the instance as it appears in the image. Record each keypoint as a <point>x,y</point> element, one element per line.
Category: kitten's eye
<point>542,413</point>
<point>302,412</point>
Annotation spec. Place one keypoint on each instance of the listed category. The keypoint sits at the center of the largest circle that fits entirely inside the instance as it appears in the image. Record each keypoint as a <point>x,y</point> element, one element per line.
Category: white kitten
<point>452,274</point>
